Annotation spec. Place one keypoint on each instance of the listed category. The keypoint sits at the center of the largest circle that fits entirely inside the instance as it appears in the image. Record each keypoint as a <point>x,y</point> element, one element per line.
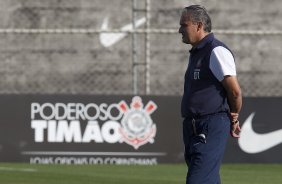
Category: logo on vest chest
<point>199,63</point>
<point>197,73</point>
<point>197,69</point>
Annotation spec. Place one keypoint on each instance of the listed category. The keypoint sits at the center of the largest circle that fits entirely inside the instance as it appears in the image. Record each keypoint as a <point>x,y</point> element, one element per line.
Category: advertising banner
<point>139,130</point>
<point>90,129</point>
<point>261,132</point>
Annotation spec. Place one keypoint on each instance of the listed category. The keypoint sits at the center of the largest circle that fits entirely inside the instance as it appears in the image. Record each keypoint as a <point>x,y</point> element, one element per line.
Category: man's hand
<point>235,125</point>
<point>235,129</point>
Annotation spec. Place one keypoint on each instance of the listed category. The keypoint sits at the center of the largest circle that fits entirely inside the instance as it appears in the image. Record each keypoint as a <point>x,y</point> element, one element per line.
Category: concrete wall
<point>80,64</point>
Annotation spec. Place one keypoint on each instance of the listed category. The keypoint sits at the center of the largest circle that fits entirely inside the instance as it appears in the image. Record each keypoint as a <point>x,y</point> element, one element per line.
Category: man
<point>212,98</point>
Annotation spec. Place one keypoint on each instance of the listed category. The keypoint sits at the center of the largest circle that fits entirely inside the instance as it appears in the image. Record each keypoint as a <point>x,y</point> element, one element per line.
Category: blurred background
<point>61,47</point>
<point>108,51</point>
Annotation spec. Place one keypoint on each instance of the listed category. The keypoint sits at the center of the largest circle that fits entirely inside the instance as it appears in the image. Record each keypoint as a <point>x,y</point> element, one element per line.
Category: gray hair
<point>198,13</point>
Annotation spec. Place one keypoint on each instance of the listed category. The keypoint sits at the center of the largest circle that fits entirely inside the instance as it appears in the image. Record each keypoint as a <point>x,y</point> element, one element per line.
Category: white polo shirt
<point>222,63</point>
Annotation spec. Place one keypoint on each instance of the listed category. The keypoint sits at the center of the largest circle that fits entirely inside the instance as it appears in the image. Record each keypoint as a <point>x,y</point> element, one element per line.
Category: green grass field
<point>112,174</point>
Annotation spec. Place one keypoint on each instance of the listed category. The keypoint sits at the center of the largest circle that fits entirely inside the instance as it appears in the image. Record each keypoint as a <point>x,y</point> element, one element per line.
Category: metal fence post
<point>147,47</point>
<point>134,50</point>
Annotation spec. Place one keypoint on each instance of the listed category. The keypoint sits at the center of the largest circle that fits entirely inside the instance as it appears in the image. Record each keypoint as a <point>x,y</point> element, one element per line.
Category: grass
<point>12,173</point>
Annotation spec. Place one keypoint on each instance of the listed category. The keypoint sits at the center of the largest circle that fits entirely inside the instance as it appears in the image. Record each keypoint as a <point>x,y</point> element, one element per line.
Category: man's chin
<point>185,41</point>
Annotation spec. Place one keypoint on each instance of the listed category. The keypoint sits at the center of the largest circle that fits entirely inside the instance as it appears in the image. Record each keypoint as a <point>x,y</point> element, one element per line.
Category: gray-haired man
<point>212,98</point>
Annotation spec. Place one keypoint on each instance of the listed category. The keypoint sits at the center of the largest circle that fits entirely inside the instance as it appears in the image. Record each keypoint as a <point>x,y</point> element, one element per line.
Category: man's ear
<point>200,26</point>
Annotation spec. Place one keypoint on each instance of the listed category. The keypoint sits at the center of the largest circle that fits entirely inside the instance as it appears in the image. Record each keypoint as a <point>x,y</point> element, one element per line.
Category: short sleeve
<point>222,63</point>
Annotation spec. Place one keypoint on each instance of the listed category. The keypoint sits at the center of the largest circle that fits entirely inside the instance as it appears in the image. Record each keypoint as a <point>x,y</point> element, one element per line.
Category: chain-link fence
<point>66,47</point>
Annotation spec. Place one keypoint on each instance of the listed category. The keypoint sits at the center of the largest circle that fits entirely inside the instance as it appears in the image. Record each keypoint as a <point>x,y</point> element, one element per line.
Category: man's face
<point>188,29</point>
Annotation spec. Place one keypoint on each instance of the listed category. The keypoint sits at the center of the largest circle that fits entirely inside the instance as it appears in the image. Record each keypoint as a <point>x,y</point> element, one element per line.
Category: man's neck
<point>201,37</point>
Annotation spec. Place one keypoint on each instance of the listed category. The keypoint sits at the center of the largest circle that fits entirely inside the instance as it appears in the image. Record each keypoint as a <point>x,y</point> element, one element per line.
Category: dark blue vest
<point>203,93</point>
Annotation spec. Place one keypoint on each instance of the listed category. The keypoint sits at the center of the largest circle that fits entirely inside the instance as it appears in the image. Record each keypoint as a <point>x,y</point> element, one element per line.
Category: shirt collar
<point>208,38</point>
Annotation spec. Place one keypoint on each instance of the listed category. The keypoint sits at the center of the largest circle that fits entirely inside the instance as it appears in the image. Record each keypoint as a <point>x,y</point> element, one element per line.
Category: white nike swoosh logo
<point>252,142</point>
<point>109,39</point>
